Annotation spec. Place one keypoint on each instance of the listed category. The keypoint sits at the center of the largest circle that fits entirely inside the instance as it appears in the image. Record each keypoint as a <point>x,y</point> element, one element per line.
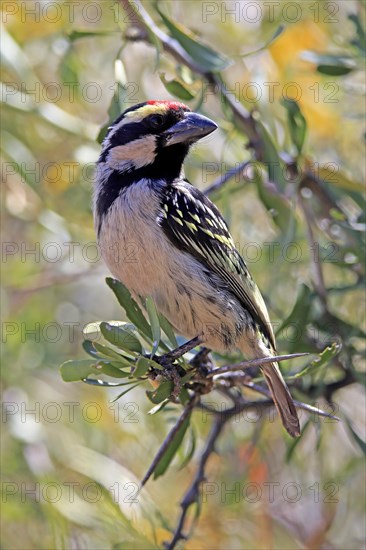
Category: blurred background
<point>72,459</point>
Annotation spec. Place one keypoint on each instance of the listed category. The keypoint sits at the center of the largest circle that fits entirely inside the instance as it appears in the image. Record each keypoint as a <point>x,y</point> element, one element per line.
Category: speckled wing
<point>194,224</point>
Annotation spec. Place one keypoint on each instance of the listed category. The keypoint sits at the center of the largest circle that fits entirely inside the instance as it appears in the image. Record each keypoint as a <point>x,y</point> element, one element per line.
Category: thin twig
<point>220,182</point>
<point>167,441</point>
<point>192,494</point>
<point>254,363</point>
<point>239,406</point>
<point>234,379</point>
<point>171,356</point>
<point>299,404</point>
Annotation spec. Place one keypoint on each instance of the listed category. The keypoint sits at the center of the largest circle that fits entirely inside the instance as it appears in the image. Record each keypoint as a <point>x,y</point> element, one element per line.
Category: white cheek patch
<point>135,154</point>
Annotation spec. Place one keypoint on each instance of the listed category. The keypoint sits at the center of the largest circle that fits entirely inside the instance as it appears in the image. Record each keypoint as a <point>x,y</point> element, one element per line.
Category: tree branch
<point>171,356</point>
<point>169,438</point>
<point>233,380</point>
<point>220,182</point>
<point>171,46</point>
<point>254,363</point>
<point>192,494</point>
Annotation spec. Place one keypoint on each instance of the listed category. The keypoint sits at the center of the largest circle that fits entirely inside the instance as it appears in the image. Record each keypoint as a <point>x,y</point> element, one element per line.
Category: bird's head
<point>152,139</point>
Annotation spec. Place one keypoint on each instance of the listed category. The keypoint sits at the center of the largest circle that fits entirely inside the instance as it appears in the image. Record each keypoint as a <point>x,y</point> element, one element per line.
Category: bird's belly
<point>195,302</point>
<point>179,288</point>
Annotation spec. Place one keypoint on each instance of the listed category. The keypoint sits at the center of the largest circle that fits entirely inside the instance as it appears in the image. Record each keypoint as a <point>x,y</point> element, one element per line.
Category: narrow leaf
<point>88,346</point>
<point>158,407</point>
<point>177,88</point>
<point>168,330</point>
<point>206,57</point>
<point>154,323</point>
<point>171,451</point>
<point>294,442</point>
<point>121,338</point>
<point>330,64</point>
<point>296,123</point>
<point>75,35</point>
<point>277,33</point>
<point>142,366</point>
<point>108,352</point>
<point>125,391</point>
<point>190,451</point>
<point>360,41</point>
<point>94,382</point>
<point>274,164</point>
<point>116,107</point>
<point>321,361</point>
<point>131,308</point>
<point>360,442</point>
<point>339,179</point>
<point>161,393</point>
<point>300,312</point>
<point>72,371</point>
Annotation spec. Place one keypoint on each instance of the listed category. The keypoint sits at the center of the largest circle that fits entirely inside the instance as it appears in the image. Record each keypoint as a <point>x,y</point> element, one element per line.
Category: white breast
<point>139,254</point>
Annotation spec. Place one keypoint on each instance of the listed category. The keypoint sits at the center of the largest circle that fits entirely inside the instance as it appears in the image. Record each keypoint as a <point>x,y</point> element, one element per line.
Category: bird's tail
<point>282,398</point>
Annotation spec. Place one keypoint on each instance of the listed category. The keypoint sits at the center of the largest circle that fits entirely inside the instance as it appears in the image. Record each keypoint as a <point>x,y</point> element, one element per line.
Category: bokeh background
<point>71,459</point>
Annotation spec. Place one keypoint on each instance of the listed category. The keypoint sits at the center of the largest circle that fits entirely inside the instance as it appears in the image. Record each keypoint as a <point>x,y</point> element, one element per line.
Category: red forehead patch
<point>170,104</point>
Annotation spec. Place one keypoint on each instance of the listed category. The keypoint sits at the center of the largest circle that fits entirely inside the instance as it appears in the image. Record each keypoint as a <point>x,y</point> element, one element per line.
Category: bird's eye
<point>156,121</point>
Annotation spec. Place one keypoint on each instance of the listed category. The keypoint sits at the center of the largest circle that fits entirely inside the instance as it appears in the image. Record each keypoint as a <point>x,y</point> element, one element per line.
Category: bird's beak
<point>188,130</point>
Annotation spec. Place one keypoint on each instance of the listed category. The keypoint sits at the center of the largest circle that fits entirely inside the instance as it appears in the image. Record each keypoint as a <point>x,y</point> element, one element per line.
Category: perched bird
<point>162,237</point>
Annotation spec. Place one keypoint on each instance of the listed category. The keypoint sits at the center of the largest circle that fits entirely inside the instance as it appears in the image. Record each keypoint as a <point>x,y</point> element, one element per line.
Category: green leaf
<point>333,70</point>
<point>71,371</point>
<point>76,370</point>
<point>168,330</point>
<point>108,352</point>
<point>121,338</point>
<point>321,361</point>
<point>274,37</point>
<point>207,58</point>
<point>69,69</point>
<point>125,391</point>
<point>300,313</point>
<point>131,308</point>
<point>111,369</point>
<point>161,393</point>
<point>88,346</point>
<point>339,179</point>
<point>184,395</point>
<point>100,351</point>
<point>360,442</point>
<point>168,456</point>
<point>294,442</point>
<point>296,123</point>
<point>158,407</point>
<point>116,107</point>
<point>142,366</point>
<point>177,88</point>
<point>190,451</point>
<point>94,382</point>
<point>154,323</point>
<point>330,64</point>
<point>76,35</point>
<point>360,41</point>
<point>274,164</point>
<point>276,203</point>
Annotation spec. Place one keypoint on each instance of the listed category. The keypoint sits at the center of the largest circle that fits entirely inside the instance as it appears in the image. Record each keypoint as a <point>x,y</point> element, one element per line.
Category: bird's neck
<point>112,180</point>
